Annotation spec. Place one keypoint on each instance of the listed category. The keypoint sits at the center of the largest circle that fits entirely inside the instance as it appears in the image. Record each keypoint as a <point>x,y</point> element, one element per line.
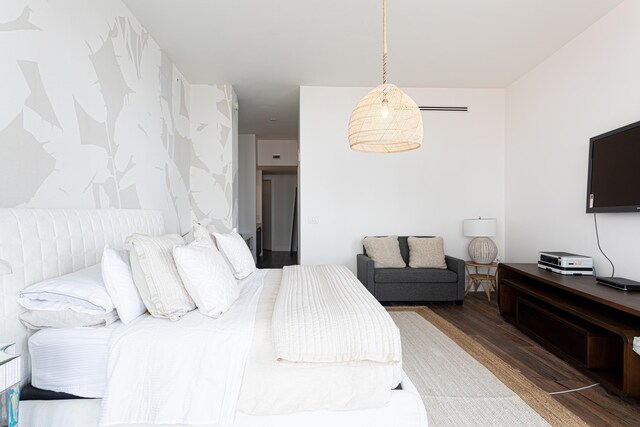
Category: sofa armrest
<point>457,266</point>
<point>366,271</point>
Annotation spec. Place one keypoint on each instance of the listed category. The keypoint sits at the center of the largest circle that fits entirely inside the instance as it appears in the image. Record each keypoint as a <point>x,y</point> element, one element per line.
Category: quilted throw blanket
<point>183,372</point>
<point>323,314</point>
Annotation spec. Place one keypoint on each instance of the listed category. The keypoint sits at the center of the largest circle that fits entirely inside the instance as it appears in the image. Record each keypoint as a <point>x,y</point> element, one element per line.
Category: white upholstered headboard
<point>44,243</point>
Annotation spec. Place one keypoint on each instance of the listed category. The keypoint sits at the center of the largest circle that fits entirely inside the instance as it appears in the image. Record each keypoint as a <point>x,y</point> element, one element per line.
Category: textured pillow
<point>118,279</point>
<point>207,277</point>
<point>82,291</point>
<point>384,251</point>
<point>237,253</point>
<point>426,252</point>
<point>41,319</point>
<point>201,233</point>
<point>156,275</point>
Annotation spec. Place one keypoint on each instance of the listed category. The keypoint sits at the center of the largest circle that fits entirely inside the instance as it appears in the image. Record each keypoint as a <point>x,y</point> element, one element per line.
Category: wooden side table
<point>476,278</point>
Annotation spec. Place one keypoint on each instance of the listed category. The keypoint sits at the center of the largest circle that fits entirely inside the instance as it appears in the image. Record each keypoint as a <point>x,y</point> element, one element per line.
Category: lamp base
<point>483,250</point>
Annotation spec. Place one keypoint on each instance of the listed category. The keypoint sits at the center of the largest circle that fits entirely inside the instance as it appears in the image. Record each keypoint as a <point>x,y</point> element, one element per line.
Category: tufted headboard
<point>44,243</point>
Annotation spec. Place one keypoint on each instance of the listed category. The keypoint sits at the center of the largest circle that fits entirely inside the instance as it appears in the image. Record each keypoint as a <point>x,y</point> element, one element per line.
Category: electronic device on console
<point>566,263</point>
<point>619,283</point>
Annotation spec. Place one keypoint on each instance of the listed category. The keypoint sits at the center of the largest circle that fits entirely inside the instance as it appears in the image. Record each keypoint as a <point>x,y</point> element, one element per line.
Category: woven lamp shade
<point>400,130</point>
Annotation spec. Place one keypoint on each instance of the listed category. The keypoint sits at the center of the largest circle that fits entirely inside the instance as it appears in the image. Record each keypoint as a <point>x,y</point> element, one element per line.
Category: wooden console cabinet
<point>589,325</point>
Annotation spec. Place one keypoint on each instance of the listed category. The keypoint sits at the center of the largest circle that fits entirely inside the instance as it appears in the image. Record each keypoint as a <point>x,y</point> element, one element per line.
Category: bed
<point>42,243</point>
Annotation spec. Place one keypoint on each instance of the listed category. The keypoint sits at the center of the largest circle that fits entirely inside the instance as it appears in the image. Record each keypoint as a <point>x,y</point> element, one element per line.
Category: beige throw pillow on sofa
<point>384,251</point>
<point>426,252</point>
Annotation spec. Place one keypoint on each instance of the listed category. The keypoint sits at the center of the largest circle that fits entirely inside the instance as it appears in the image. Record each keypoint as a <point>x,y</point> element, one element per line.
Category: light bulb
<point>385,108</point>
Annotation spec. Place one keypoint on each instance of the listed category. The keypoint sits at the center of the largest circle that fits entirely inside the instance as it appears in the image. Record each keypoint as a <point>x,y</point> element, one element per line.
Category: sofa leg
<point>460,302</point>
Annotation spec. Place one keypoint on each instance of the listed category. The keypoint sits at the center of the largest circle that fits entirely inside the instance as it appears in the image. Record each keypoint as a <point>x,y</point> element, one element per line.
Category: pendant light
<point>386,120</point>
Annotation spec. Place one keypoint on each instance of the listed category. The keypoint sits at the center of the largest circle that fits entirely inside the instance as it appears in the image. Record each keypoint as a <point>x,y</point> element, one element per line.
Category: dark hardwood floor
<point>481,320</point>
<point>270,259</point>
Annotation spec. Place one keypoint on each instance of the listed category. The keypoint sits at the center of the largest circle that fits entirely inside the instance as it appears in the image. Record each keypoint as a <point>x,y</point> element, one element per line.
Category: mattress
<point>71,360</point>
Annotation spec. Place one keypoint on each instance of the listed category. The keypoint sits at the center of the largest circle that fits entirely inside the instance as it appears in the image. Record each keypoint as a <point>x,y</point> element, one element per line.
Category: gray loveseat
<point>413,284</point>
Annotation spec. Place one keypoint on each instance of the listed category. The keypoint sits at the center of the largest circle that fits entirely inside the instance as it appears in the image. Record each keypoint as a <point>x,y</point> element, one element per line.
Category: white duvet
<point>323,314</point>
<point>183,372</point>
<point>270,387</point>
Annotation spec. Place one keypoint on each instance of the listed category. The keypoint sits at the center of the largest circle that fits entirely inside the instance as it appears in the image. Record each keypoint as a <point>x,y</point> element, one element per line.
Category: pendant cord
<point>384,41</point>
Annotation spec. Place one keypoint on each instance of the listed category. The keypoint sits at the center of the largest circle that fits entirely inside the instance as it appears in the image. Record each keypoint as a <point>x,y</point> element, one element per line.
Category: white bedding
<point>181,372</point>
<point>71,360</point>
<point>405,409</point>
<point>324,314</point>
<point>270,387</point>
<point>75,361</point>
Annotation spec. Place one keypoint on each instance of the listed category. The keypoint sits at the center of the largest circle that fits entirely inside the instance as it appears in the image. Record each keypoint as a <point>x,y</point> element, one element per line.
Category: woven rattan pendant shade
<point>386,120</point>
<point>375,131</point>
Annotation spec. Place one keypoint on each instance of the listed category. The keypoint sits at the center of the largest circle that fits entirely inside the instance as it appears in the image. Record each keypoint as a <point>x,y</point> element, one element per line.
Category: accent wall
<point>94,115</point>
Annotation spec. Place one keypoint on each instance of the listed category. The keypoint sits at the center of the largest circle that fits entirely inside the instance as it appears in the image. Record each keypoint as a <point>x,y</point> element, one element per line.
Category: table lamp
<point>482,249</point>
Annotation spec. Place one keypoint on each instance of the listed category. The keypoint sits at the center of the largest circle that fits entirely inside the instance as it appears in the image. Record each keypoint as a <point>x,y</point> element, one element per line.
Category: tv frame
<point>608,209</point>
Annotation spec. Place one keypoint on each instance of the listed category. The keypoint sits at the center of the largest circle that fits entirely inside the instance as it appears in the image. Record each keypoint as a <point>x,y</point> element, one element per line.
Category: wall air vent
<point>429,108</point>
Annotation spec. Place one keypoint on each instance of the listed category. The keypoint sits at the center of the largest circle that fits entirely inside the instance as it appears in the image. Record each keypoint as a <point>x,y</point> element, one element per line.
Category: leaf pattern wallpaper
<point>94,115</point>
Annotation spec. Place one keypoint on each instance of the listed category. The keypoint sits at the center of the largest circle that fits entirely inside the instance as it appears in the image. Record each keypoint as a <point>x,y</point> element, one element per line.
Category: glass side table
<point>9,385</point>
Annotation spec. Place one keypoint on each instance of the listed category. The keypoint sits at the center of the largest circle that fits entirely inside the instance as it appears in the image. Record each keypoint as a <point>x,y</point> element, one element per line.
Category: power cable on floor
<point>574,390</point>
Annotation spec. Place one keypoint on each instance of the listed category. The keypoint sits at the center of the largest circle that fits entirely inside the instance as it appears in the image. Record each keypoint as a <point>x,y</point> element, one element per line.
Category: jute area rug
<point>464,384</point>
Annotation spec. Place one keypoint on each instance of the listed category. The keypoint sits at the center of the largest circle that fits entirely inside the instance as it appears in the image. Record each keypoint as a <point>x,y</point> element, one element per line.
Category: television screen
<point>614,171</point>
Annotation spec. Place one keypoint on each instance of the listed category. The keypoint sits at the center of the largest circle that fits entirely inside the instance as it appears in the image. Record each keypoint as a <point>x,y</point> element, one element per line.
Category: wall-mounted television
<point>613,184</point>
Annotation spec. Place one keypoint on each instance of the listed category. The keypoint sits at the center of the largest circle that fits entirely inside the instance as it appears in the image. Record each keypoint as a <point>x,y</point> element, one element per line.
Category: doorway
<point>279,219</point>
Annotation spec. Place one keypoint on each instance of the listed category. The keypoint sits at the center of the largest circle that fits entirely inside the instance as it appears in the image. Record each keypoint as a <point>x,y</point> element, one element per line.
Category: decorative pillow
<point>237,253</point>
<point>201,233</point>
<point>118,279</point>
<point>156,276</point>
<point>207,277</point>
<point>41,319</point>
<point>426,252</point>
<point>82,291</point>
<point>384,251</point>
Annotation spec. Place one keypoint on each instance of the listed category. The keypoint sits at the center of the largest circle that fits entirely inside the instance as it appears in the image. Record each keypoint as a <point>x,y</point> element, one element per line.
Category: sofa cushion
<point>414,275</point>
<point>384,251</point>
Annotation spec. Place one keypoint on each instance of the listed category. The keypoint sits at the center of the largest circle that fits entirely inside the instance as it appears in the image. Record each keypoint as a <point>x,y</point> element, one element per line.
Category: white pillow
<point>82,291</point>
<point>200,233</point>
<point>237,253</point>
<point>40,319</point>
<point>207,277</point>
<point>118,279</point>
<point>156,275</point>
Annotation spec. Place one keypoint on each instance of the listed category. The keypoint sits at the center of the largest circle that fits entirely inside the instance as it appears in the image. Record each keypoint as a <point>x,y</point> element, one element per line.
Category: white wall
<point>247,187</point>
<point>590,86</point>
<point>286,149</point>
<point>283,189</point>
<point>457,174</point>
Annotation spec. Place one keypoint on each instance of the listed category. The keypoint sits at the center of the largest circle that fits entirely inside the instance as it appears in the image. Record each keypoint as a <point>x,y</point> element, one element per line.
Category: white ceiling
<point>268,48</point>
